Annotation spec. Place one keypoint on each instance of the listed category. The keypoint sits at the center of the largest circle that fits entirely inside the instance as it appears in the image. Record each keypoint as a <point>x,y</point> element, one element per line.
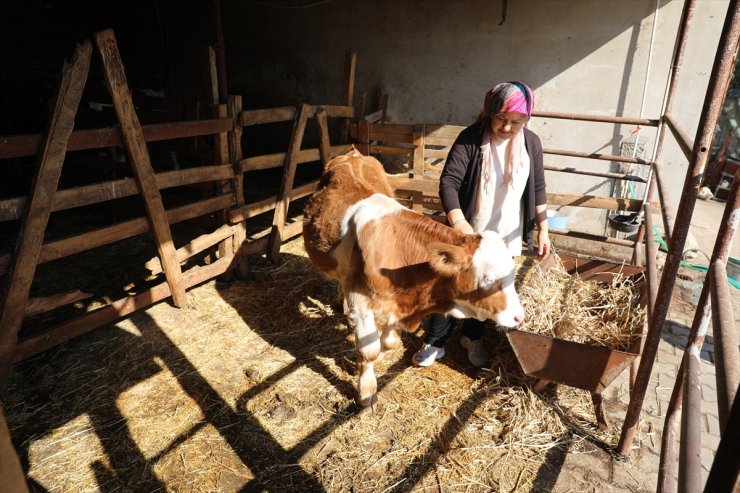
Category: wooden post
<point>38,207</point>
<point>363,136</point>
<point>133,140</point>
<point>220,51</point>
<point>418,165</point>
<point>350,65</point>
<point>234,107</point>
<point>221,148</point>
<point>211,75</point>
<point>291,161</point>
<point>325,144</point>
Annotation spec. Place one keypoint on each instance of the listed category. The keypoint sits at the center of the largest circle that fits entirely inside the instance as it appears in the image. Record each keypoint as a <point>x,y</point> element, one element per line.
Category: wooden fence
<point>225,174</point>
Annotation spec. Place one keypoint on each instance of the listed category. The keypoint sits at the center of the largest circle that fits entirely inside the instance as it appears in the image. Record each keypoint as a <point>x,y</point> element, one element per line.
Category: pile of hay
<point>252,386</point>
<point>567,307</point>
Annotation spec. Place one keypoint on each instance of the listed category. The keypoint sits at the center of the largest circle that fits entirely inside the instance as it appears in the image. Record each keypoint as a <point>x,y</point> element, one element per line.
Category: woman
<point>493,180</point>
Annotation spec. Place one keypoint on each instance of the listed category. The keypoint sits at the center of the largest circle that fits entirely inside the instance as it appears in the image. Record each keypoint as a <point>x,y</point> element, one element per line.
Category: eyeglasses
<point>513,123</point>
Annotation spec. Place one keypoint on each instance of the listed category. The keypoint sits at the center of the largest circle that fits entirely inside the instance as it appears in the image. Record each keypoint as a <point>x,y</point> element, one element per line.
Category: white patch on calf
<point>373,207</point>
<point>492,262</point>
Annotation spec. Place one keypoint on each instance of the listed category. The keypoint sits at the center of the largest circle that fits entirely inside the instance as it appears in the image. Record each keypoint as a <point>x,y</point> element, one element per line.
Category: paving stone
<point>712,422</point>
<point>710,441</point>
<point>708,395</point>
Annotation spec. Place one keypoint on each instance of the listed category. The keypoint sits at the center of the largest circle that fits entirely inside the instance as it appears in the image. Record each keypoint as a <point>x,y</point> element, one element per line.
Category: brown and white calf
<point>396,266</point>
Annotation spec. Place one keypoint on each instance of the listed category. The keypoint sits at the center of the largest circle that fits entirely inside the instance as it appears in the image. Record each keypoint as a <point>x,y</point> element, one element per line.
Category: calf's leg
<point>367,343</point>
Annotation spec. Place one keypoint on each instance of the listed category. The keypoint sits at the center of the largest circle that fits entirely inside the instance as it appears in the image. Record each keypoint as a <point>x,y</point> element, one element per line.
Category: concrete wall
<point>437,58</point>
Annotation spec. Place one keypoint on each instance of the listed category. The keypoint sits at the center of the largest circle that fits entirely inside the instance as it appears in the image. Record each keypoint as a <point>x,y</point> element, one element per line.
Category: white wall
<point>437,58</point>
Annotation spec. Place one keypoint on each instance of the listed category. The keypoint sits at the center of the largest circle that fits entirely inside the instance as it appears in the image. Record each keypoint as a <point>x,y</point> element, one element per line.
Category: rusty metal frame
<point>714,297</point>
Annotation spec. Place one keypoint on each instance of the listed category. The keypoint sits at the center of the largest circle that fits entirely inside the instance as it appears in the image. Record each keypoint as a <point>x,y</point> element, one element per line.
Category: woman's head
<point>507,108</point>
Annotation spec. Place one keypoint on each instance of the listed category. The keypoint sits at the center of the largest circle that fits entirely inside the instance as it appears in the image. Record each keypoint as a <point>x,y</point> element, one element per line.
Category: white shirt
<point>503,200</point>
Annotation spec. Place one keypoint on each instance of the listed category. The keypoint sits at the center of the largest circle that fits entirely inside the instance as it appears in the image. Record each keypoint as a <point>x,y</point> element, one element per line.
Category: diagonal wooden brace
<point>38,207</point>
<point>133,140</point>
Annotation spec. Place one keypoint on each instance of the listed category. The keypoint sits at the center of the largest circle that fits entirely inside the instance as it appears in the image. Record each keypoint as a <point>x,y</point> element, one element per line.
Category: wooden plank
<point>28,144</point>
<point>117,232</point>
<point>269,161</point>
<point>115,311</point>
<point>269,115</point>
<point>35,219</point>
<point>211,75</point>
<point>133,140</point>
<point>69,198</point>
<point>235,156</point>
<point>363,137</point>
<point>325,145</point>
<point>394,150</point>
<point>443,132</point>
<point>45,304</point>
<point>595,202</point>
<point>404,131</point>
<point>348,98</point>
<point>194,247</point>
<point>221,150</point>
<point>286,185</point>
<point>256,208</point>
<point>386,137</point>
<point>436,153</point>
<point>418,163</point>
<point>428,186</point>
<point>336,111</point>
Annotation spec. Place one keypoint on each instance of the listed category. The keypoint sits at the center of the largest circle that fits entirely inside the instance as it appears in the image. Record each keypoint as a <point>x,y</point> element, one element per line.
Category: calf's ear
<point>448,260</point>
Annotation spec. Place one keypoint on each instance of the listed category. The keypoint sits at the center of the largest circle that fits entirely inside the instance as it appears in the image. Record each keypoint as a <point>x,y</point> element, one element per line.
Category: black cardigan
<point>458,184</point>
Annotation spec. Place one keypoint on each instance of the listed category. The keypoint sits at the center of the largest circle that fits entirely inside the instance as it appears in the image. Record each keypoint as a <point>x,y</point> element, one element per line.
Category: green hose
<point>700,268</point>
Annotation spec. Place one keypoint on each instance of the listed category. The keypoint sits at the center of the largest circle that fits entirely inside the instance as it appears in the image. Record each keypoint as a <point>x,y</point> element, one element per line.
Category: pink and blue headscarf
<point>508,97</point>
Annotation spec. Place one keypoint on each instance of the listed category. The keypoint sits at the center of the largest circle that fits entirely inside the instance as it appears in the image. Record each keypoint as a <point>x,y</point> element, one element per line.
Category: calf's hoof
<point>368,404</point>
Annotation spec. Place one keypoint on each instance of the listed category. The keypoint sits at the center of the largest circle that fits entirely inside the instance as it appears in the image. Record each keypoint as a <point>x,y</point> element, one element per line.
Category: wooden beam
<point>118,309</point>
<point>226,247</point>
<point>268,115</point>
<point>12,146</point>
<point>255,209</point>
<point>363,137</point>
<point>286,185</point>
<point>10,209</point>
<point>133,140</point>
<point>348,98</point>
<point>36,306</point>
<point>68,246</point>
<point>211,75</point>
<point>325,145</point>
<point>596,202</point>
<point>418,164</point>
<point>194,247</point>
<point>234,106</point>
<point>35,219</point>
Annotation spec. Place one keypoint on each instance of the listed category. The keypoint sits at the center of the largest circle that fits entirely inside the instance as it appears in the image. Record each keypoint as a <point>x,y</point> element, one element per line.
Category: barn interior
<point>163,329</point>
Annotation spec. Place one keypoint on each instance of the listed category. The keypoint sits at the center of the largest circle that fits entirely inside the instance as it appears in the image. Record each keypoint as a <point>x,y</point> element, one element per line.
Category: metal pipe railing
<point>597,118</point>
<point>726,354</point>
<point>689,455</point>
<point>723,475</point>
<point>716,91</point>
<point>725,235</point>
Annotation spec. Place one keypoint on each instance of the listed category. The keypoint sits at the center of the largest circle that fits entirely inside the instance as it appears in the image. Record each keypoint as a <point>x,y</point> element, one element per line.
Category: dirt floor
<point>251,388</point>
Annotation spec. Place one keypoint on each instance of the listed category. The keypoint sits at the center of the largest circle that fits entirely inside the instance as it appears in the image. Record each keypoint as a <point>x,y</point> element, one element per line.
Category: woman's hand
<point>543,243</point>
<point>464,227</point>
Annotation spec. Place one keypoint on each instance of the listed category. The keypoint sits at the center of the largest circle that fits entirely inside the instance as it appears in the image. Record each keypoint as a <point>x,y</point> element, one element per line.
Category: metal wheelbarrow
<point>583,366</point>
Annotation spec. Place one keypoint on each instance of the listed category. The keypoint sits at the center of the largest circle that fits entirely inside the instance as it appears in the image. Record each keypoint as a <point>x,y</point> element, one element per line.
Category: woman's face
<point>506,125</point>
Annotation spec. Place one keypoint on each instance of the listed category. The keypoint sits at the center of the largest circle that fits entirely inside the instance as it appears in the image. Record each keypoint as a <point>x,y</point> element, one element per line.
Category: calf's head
<point>482,274</point>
